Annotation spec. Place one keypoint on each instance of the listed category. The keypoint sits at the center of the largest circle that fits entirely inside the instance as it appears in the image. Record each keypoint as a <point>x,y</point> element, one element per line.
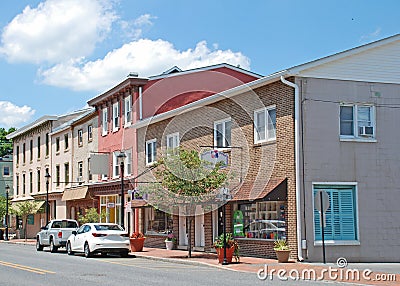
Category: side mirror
<point>74,232</point>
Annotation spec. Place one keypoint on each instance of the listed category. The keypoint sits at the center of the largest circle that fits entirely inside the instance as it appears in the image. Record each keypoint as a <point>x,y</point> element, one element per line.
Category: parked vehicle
<point>55,234</point>
<point>102,238</point>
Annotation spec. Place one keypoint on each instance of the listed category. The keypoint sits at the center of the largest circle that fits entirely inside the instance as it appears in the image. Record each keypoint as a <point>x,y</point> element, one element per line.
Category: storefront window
<point>264,220</point>
<point>111,206</point>
<point>157,222</point>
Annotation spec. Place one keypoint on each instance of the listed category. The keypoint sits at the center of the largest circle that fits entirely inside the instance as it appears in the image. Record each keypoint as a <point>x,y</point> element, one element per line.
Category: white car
<point>102,238</point>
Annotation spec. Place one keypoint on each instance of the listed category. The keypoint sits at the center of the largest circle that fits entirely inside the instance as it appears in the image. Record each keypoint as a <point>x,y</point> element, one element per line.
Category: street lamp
<point>224,196</point>
<point>7,193</point>
<point>47,176</point>
<point>121,157</point>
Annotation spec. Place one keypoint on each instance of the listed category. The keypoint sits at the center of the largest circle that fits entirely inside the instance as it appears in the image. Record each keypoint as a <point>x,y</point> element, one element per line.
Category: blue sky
<point>57,54</point>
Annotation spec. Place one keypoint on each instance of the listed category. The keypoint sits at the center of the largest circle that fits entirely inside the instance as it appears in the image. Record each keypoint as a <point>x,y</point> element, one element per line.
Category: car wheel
<point>87,251</point>
<point>53,248</point>
<point>69,249</point>
<point>124,254</point>
<point>39,247</point>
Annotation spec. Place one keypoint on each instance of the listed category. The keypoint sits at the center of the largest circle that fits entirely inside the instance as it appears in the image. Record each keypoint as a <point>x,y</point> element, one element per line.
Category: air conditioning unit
<point>366,131</point>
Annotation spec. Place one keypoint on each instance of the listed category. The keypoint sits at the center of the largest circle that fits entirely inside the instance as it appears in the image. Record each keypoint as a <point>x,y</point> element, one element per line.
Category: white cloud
<point>14,116</point>
<point>57,30</point>
<point>133,30</point>
<point>372,36</point>
<point>147,57</point>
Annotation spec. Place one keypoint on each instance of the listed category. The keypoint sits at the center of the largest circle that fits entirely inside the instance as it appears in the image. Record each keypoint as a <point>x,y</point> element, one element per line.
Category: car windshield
<point>107,227</point>
<point>65,224</point>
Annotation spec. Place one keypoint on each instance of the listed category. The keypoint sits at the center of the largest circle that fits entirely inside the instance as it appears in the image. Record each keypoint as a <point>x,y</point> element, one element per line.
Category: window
<point>23,153</point>
<point>90,133</point>
<point>89,173</point>
<point>58,144</point>
<point>80,137</point>
<point>357,121</point>
<point>115,164</point>
<point>47,144</point>
<point>128,162</point>
<point>30,182</point>
<point>57,175</point>
<point>265,124</point>
<point>38,147</point>
<point>172,141</point>
<point>80,171</point>
<point>38,181</point>
<point>23,184</point>
<point>157,222</point>
<point>6,171</point>
<point>17,179</point>
<point>17,154</point>
<point>128,110</point>
<point>340,218</point>
<point>31,150</point>
<point>222,133</point>
<point>66,142</point>
<point>115,116</point>
<point>66,173</point>
<point>105,122</point>
<point>151,151</point>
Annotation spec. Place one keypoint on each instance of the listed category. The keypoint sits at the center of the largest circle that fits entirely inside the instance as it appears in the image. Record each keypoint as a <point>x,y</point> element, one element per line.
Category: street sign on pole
<point>321,202</point>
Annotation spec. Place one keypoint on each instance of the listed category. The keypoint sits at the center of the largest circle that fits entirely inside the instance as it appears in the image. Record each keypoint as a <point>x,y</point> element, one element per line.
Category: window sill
<point>337,242</point>
<point>127,124</point>
<point>150,164</point>
<point>359,140</point>
<point>115,129</point>
<point>104,134</point>
<point>264,143</point>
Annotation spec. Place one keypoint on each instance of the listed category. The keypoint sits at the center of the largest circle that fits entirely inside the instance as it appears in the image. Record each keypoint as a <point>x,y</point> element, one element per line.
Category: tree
<point>6,146</point>
<point>91,215</point>
<point>185,181</point>
<point>3,208</point>
<point>23,210</point>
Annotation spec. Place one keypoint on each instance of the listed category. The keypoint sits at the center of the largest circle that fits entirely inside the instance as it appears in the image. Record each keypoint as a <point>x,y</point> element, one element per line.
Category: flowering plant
<point>170,237</point>
<point>137,234</point>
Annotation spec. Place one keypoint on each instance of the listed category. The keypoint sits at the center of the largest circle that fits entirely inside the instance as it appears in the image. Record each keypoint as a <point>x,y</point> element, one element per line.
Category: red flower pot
<point>137,244</point>
<point>229,254</point>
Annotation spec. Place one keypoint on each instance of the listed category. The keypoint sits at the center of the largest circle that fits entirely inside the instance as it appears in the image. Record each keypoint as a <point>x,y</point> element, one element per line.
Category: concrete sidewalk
<point>374,274</point>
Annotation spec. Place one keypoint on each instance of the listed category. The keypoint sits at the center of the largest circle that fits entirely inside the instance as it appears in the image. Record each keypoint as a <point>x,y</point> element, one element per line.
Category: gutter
<point>297,159</point>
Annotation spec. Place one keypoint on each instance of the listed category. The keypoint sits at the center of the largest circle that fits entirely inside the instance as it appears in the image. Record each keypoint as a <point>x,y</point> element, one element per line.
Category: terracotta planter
<point>282,255</point>
<point>137,244</point>
<point>169,244</point>
<point>229,254</point>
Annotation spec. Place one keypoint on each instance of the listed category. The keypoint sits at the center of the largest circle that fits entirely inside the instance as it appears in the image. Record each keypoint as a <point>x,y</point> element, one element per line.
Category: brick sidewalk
<point>253,265</point>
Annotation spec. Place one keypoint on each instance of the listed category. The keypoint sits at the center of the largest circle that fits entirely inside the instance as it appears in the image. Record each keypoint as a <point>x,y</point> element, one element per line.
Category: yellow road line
<point>26,268</point>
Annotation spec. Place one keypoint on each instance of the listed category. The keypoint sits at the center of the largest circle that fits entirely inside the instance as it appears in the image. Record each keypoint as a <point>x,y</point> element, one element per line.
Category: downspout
<point>140,104</point>
<point>297,159</point>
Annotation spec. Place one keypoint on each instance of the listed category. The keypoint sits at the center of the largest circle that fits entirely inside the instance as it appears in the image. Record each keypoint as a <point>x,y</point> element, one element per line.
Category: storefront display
<point>157,222</point>
<point>264,220</point>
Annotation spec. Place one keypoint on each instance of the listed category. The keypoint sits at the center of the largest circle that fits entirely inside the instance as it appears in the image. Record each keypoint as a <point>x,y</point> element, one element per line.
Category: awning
<point>23,199</point>
<point>138,203</point>
<point>75,193</point>
<point>16,206</point>
<point>275,190</point>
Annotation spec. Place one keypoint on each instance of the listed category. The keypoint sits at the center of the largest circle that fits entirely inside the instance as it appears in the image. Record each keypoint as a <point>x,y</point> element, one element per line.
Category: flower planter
<point>169,244</point>
<point>229,254</point>
<point>282,255</point>
<point>137,244</point>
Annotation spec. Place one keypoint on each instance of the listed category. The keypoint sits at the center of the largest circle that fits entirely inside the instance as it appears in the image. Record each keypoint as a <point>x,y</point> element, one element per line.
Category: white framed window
<point>104,121</point>
<point>357,121</point>
<point>265,124</point>
<point>151,151</point>
<point>341,220</point>
<point>115,116</point>
<point>90,132</point>
<point>128,163</point>
<point>222,133</point>
<point>115,164</point>
<point>128,111</point>
<point>172,141</point>
<point>80,171</point>
<point>80,137</point>
<point>6,171</point>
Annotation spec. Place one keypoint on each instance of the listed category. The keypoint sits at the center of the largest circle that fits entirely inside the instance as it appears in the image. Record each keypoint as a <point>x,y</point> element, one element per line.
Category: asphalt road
<point>23,265</point>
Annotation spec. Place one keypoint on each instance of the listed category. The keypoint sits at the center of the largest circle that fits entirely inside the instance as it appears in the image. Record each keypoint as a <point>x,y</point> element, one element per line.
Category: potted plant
<point>137,241</point>
<point>282,250</point>
<point>232,248</point>
<point>170,241</point>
